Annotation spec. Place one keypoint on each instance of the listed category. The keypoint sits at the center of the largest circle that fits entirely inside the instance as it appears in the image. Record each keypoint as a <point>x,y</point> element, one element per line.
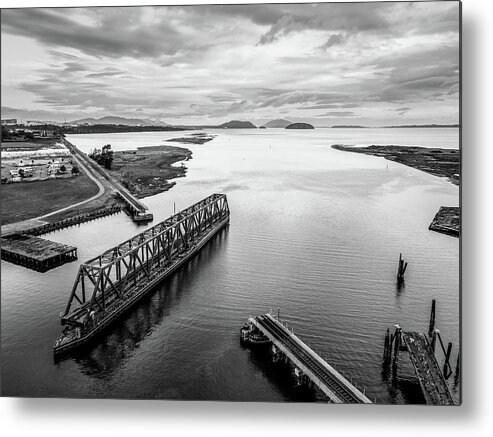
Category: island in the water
<point>300,126</point>
<point>198,138</point>
<point>147,170</point>
<point>237,124</point>
<point>277,124</point>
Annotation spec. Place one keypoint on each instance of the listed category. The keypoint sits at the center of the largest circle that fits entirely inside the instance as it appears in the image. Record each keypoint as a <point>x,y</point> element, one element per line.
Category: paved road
<point>37,221</point>
<point>91,176</point>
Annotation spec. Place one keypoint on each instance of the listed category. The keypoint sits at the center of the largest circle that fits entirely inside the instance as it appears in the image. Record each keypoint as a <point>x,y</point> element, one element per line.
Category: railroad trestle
<point>107,282</point>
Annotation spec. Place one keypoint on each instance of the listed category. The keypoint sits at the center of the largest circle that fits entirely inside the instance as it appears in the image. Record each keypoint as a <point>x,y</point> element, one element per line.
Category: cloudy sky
<point>361,63</point>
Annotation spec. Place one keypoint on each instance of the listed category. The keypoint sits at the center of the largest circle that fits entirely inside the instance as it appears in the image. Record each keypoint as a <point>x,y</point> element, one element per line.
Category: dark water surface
<point>313,230</point>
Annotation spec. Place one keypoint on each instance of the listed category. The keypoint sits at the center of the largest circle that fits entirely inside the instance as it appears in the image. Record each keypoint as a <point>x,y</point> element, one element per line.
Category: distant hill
<point>299,126</point>
<point>348,126</point>
<point>120,121</point>
<point>236,124</point>
<point>401,126</point>
<point>421,125</point>
<point>279,123</point>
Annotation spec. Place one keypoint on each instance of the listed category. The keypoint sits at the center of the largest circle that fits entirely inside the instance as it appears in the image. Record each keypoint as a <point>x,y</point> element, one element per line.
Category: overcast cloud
<point>374,63</point>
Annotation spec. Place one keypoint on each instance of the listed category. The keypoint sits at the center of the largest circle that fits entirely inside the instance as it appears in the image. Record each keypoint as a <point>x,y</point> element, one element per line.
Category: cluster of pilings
<point>36,253</point>
<point>401,270</point>
<point>393,345</point>
<point>282,360</point>
<point>433,334</point>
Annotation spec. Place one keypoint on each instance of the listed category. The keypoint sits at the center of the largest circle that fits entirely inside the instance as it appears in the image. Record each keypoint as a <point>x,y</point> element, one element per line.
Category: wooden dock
<point>32,227</point>
<point>430,377</point>
<point>447,221</point>
<point>36,253</point>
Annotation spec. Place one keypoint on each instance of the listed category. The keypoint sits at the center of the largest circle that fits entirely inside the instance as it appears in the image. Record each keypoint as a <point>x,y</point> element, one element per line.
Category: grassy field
<point>22,201</point>
<point>146,171</point>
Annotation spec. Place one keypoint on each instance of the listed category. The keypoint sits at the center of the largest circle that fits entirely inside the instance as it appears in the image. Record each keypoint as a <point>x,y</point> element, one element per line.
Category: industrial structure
<point>111,283</point>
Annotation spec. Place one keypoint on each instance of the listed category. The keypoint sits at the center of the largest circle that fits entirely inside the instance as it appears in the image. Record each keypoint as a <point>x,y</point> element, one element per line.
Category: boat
<point>250,334</point>
<point>143,217</point>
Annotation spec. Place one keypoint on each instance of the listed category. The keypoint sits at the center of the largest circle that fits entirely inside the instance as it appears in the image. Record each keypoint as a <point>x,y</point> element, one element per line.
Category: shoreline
<point>147,171</point>
<point>435,161</point>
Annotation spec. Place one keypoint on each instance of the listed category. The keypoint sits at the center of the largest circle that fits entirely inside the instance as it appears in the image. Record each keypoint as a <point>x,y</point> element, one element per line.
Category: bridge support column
<point>298,374</point>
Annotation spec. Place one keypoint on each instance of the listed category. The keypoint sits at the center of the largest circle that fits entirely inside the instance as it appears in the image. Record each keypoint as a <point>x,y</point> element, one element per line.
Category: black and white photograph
<point>232,202</point>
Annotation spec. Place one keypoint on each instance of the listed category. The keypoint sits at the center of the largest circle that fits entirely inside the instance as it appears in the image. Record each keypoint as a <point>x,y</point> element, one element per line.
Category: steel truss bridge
<point>110,283</point>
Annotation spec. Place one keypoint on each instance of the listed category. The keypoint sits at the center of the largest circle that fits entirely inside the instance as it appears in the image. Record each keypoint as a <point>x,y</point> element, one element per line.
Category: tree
<point>63,169</point>
<point>5,133</point>
<point>75,170</point>
<point>104,156</point>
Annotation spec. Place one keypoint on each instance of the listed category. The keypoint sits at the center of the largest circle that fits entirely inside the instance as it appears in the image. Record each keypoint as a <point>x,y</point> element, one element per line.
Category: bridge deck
<point>433,384</point>
<point>331,382</point>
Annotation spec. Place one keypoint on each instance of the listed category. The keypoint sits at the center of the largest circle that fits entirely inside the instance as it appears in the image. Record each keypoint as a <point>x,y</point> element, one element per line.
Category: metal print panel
<point>232,202</point>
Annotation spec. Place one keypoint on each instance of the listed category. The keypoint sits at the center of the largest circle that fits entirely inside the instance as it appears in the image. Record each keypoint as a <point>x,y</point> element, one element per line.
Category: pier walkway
<point>431,379</point>
<point>337,388</point>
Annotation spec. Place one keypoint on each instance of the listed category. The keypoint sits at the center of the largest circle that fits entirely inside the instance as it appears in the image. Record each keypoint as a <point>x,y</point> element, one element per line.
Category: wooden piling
<point>387,347</point>
<point>457,366</point>
<point>401,269</point>
<point>433,340</point>
<point>431,326</point>
<point>397,344</point>
<point>447,370</point>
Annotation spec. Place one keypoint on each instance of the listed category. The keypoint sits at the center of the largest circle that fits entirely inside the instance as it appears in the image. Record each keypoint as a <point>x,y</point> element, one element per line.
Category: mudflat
<point>436,161</point>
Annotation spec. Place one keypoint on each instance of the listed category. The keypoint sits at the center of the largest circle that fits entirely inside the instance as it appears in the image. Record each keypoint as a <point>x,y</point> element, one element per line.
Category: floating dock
<point>36,253</point>
<point>447,221</point>
<point>307,362</point>
<point>111,283</point>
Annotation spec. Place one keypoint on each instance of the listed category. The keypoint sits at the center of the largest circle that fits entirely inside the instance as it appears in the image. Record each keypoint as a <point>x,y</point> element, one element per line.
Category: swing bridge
<point>109,284</point>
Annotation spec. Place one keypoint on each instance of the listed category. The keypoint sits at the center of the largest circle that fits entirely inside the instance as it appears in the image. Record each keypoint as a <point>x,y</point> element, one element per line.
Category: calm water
<point>313,230</point>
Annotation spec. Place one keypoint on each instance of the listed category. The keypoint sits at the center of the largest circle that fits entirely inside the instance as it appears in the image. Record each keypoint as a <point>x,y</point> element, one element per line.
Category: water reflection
<point>109,351</point>
<point>281,376</point>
